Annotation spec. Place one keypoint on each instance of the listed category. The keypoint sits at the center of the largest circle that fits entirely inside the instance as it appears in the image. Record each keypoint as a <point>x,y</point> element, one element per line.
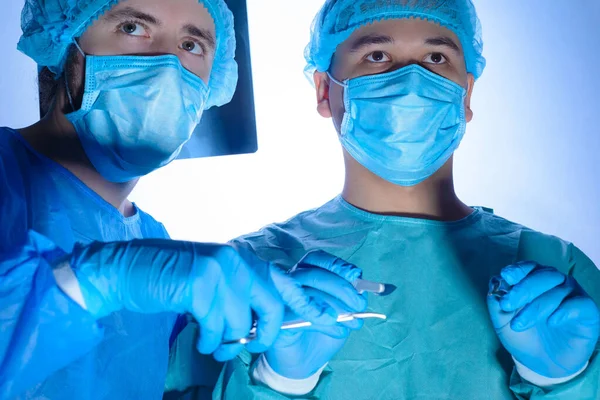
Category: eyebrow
<point>368,40</point>
<point>132,13</point>
<point>443,41</point>
<point>203,34</point>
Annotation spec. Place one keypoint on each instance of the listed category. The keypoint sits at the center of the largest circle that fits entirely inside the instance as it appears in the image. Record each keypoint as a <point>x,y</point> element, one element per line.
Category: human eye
<point>435,58</point>
<point>193,47</point>
<point>133,28</point>
<point>378,57</point>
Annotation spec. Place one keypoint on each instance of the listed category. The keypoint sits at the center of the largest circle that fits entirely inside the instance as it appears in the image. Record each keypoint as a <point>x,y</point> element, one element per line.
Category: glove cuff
<point>543,381</point>
<point>264,374</point>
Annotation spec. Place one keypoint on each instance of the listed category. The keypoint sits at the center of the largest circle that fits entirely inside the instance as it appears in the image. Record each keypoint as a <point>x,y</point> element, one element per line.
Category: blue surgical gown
<point>438,341</point>
<point>50,348</point>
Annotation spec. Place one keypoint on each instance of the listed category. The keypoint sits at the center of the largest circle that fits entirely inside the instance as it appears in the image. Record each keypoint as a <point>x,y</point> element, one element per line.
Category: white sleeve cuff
<point>542,381</point>
<point>263,373</point>
<point>68,283</point>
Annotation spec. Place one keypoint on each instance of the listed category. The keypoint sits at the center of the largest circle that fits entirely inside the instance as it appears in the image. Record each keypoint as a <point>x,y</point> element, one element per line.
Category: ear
<point>470,84</point>
<point>322,87</point>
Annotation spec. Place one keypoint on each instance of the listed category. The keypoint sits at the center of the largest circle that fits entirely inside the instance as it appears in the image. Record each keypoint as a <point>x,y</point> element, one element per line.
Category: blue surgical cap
<point>50,26</point>
<point>338,19</point>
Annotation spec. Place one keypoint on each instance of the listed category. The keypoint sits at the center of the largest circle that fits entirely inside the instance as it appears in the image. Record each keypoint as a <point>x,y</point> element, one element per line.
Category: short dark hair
<point>48,86</point>
<point>48,82</point>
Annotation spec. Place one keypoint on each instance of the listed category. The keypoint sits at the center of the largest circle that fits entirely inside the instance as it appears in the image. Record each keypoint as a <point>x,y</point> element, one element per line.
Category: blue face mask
<point>403,125</point>
<point>137,113</point>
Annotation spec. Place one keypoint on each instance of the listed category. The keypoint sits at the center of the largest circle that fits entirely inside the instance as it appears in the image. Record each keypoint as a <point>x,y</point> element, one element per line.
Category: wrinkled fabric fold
<point>438,341</point>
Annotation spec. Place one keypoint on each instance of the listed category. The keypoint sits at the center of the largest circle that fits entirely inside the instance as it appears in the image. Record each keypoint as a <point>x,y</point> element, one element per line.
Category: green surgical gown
<point>438,342</point>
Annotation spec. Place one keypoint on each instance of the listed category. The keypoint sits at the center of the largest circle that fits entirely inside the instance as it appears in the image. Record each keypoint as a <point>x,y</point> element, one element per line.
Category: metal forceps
<point>499,287</point>
<point>302,324</point>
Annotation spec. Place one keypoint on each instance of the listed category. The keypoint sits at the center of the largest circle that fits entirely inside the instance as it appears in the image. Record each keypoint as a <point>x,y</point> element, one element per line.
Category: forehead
<point>180,12</point>
<point>404,32</point>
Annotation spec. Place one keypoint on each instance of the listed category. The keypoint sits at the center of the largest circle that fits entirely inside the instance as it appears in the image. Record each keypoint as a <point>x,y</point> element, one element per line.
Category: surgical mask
<point>403,125</point>
<point>137,113</point>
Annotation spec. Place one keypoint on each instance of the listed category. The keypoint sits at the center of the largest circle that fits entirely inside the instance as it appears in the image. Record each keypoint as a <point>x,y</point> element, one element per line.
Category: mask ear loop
<point>342,84</point>
<point>346,99</point>
<point>68,90</point>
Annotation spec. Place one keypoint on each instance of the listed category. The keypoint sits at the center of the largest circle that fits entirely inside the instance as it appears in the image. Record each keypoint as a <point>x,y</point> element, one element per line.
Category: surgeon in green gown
<point>484,308</point>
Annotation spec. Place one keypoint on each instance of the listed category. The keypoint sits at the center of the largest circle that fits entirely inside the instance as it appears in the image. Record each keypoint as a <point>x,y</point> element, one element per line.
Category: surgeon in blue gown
<point>92,292</point>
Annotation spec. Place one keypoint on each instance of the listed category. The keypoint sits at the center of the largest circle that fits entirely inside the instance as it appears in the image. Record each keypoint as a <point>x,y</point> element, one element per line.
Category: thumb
<point>322,259</point>
<point>297,300</point>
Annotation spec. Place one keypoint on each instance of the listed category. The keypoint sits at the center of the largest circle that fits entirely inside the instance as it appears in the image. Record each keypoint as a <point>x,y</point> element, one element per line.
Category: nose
<point>162,46</point>
<point>165,46</point>
<point>403,63</point>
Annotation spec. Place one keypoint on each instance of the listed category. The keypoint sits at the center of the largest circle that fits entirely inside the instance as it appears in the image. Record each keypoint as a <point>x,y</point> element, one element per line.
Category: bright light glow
<point>531,153</point>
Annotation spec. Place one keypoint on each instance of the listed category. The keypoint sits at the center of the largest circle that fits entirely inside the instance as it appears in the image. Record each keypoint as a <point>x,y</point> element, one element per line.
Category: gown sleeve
<point>41,329</point>
<point>551,251</point>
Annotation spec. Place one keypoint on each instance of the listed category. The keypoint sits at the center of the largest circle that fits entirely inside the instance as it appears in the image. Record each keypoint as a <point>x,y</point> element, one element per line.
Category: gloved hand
<point>210,281</point>
<point>298,354</point>
<point>545,320</point>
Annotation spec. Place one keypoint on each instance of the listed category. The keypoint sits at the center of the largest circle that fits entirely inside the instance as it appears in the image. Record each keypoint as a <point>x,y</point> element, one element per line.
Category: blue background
<point>536,135</point>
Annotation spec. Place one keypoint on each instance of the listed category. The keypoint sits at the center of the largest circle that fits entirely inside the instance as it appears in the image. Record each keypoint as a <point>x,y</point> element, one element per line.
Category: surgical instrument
<point>302,324</point>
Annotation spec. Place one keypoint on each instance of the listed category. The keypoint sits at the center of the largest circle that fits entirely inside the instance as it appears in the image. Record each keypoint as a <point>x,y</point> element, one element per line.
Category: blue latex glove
<point>298,354</point>
<point>545,319</point>
<point>210,281</point>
